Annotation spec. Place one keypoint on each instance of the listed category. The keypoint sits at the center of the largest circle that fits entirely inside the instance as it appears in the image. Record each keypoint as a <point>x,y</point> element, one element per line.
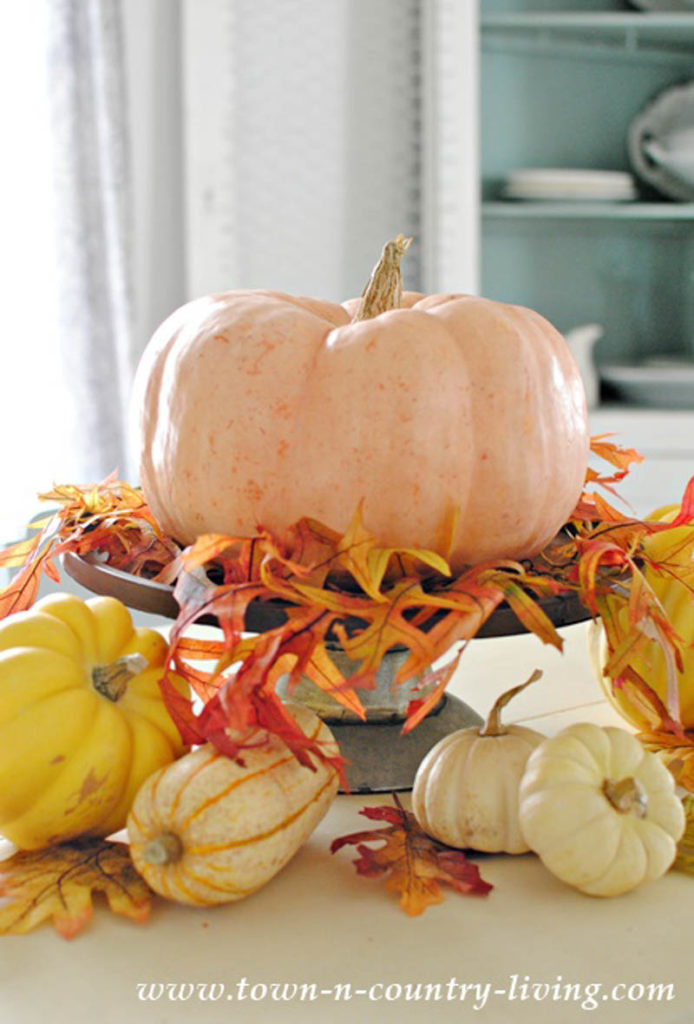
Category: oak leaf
<point>619,457</point>
<point>676,751</point>
<point>367,561</point>
<point>414,864</point>
<point>34,557</point>
<point>58,882</point>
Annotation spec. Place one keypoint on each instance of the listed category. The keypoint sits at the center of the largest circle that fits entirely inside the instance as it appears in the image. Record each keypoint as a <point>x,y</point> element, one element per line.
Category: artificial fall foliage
<point>368,598</point>
<point>59,882</point>
<point>676,750</point>
<point>414,865</point>
<point>111,518</point>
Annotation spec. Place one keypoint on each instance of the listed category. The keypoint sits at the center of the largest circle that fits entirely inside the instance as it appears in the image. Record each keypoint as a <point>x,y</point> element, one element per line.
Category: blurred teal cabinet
<point>560,85</point>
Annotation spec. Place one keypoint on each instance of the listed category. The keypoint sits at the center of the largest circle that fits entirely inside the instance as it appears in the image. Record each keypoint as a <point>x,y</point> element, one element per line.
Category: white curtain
<point>67,348</point>
<point>93,226</point>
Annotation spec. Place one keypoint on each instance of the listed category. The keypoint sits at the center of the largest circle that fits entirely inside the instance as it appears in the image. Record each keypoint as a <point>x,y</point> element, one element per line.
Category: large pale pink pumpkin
<point>459,421</point>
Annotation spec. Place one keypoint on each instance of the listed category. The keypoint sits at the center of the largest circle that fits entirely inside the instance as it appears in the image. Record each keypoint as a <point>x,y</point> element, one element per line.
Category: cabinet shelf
<point>527,210</point>
<point>674,32</point>
<point>562,88</point>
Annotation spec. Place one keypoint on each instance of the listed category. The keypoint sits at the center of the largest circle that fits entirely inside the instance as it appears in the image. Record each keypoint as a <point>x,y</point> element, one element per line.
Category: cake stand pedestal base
<point>382,759</point>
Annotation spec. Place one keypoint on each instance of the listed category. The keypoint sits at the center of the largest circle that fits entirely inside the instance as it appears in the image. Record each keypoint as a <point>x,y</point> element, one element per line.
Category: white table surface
<point>319,923</point>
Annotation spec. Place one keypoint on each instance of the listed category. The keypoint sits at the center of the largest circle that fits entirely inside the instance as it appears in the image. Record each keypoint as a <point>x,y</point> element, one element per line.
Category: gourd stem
<point>166,848</point>
<point>493,726</point>
<point>111,681</point>
<point>627,796</point>
<point>384,288</point>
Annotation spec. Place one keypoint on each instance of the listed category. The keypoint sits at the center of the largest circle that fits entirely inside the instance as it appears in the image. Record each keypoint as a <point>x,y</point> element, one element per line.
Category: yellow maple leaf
<point>58,882</point>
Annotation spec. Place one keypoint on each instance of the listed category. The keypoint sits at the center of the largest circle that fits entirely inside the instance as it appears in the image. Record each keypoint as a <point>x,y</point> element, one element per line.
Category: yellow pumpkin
<point>82,722</point>
<point>210,830</point>
<point>460,422</point>
<point>675,547</point>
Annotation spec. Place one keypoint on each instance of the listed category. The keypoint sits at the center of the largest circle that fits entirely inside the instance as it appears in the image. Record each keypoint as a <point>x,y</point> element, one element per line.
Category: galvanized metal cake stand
<point>381,758</point>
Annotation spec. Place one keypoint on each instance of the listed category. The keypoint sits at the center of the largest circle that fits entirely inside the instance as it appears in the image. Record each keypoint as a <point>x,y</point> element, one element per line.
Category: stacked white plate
<point>661,142</point>
<point>563,184</point>
<point>664,382</point>
<point>662,6</point>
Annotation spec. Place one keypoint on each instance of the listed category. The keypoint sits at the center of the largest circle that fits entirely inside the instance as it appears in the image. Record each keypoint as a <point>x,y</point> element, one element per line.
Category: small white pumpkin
<point>210,830</point>
<point>465,792</point>
<point>599,810</point>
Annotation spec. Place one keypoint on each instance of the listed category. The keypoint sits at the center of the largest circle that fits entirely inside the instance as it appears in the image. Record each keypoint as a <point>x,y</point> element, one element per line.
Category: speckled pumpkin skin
<point>460,422</point>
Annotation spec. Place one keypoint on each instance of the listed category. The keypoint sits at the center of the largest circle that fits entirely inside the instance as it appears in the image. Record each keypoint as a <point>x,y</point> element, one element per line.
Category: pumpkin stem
<point>111,681</point>
<point>493,726</point>
<point>166,848</point>
<point>384,288</point>
<point>627,796</point>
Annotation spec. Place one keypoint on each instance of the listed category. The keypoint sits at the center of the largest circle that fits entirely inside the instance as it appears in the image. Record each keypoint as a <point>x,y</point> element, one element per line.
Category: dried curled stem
<point>384,288</point>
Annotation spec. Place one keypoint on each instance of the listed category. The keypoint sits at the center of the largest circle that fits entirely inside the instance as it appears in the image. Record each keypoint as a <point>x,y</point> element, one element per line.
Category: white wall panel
<point>302,138</point>
<point>450,164</point>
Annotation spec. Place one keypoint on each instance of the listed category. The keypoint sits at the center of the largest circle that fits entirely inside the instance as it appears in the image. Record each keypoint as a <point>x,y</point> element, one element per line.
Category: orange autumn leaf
<point>597,557</point>
<point>621,458</point>
<point>676,751</point>
<point>467,604</point>
<point>686,512</point>
<point>313,545</point>
<point>414,865</point>
<point>206,548</point>
<point>367,561</point>
<point>387,626</point>
<point>312,662</point>
<point>21,593</point>
<point>20,553</point>
<point>59,882</point>
<point>34,557</point>
<point>607,513</point>
<point>674,561</point>
<point>527,610</point>
<point>433,683</point>
<point>616,455</point>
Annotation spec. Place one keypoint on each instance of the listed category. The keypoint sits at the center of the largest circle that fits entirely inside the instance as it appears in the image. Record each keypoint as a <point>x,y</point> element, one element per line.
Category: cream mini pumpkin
<point>465,792</point>
<point>459,422</point>
<point>214,830</point>
<point>600,810</point>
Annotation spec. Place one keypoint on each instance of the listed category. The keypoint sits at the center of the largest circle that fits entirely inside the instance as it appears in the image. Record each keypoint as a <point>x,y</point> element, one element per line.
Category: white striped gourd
<point>210,830</point>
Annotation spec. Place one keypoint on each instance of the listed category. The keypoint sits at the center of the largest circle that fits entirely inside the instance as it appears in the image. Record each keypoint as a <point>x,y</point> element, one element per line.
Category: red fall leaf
<point>414,865</point>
